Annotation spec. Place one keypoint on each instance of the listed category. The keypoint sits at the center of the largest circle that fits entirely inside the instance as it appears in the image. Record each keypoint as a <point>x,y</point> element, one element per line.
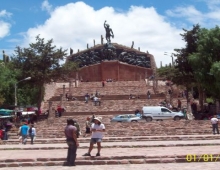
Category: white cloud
<point>4,29</point>
<point>76,24</point>
<point>213,4</point>
<point>46,6</point>
<point>4,26</point>
<point>189,12</point>
<point>210,18</point>
<point>4,13</point>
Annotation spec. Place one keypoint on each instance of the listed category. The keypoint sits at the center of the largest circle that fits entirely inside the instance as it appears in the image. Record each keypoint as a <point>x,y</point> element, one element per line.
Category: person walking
<point>179,103</point>
<point>97,129</point>
<point>148,94</point>
<point>87,97</point>
<point>103,83</point>
<point>32,133</point>
<point>71,140</point>
<point>214,122</point>
<point>24,132</point>
<point>59,111</point>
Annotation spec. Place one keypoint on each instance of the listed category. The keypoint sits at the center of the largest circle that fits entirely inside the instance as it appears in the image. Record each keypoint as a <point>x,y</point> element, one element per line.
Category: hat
<point>98,118</point>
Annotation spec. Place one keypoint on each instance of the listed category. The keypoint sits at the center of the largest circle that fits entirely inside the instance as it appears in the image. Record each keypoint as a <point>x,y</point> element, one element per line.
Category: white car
<point>126,118</point>
<point>160,113</point>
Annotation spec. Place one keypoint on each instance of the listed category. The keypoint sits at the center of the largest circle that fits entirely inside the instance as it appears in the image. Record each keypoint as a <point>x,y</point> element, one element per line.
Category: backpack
<point>30,130</point>
<point>78,129</point>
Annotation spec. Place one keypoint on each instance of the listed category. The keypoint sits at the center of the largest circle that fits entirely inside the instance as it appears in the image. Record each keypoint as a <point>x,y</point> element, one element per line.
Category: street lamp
<point>171,55</point>
<point>28,78</point>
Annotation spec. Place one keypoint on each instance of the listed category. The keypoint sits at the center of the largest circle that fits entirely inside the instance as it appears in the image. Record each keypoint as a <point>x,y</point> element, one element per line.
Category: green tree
<point>206,61</point>
<point>42,62</point>
<point>182,61</point>
<point>7,80</point>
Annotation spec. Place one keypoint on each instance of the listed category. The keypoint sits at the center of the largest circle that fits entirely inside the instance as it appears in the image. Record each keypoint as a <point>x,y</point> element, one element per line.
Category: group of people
<point>70,97</point>
<point>94,98</point>
<point>94,126</point>
<point>25,131</point>
<point>5,126</point>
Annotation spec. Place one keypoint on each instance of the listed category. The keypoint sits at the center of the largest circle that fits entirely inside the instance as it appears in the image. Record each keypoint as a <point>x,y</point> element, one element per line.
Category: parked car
<point>126,118</point>
<point>160,113</point>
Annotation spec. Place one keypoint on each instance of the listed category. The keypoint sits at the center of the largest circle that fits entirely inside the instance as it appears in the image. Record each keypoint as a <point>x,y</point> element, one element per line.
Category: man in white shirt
<point>97,129</point>
<point>96,101</point>
<point>214,122</point>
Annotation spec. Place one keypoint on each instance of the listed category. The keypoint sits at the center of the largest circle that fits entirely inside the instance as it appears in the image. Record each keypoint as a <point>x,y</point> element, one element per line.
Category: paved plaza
<point>167,166</point>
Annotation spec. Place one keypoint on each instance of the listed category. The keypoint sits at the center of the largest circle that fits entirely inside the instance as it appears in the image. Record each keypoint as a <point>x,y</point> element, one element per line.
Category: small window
<point>165,110</point>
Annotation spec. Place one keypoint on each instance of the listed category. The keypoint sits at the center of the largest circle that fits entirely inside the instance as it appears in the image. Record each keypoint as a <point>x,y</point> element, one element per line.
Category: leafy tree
<point>42,62</point>
<point>7,80</point>
<point>206,61</point>
<point>182,72</point>
<point>182,61</point>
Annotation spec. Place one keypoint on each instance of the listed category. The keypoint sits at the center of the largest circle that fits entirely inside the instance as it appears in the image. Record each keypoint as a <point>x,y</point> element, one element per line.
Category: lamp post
<point>28,78</point>
<point>171,55</point>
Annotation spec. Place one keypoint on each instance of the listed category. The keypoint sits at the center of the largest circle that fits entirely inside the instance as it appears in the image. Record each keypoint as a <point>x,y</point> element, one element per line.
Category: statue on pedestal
<point>109,32</point>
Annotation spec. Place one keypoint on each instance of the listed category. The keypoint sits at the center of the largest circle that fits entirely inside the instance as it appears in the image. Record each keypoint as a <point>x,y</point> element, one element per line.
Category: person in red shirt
<point>60,111</point>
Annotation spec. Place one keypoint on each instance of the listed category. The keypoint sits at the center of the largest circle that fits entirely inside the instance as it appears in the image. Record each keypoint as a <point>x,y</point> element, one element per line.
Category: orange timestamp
<point>202,158</point>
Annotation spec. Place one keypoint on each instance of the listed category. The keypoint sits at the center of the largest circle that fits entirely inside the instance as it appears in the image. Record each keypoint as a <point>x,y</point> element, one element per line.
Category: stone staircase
<point>157,142</point>
<point>114,97</point>
<point>51,131</point>
<point>125,145</point>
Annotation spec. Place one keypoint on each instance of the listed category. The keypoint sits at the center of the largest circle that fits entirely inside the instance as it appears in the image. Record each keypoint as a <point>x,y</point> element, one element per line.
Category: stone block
<point>112,162</point>
<point>168,160</point>
<point>13,165</point>
<point>26,164</point>
<point>97,162</point>
<point>38,163</point>
<point>124,161</point>
<point>152,160</point>
<point>10,160</point>
<point>50,163</point>
<point>3,165</point>
<point>43,159</point>
<point>84,162</point>
<point>137,161</point>
<point>180,160</point>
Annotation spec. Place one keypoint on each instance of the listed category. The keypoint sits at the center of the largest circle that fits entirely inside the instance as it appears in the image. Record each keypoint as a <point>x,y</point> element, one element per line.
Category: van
<point>160,113</point>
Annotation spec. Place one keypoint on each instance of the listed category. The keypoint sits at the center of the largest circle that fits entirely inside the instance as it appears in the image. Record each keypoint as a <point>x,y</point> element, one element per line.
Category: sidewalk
<point>117,152</point>
<point>168,166</point>
<point>116,144</point>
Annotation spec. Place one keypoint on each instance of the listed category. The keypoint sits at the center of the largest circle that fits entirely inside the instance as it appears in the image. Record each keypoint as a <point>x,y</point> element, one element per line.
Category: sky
<point>154,25</point>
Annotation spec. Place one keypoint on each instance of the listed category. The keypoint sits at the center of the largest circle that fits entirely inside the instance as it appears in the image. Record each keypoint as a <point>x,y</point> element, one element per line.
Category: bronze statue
<point>109,32</point>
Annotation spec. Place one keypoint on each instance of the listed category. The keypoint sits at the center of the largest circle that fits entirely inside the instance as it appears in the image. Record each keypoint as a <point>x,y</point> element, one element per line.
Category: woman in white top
<point>97,128</point>
<point>32,133</point>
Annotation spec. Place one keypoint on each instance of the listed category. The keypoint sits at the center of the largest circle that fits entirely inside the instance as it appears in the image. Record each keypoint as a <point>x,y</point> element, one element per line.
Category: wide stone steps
<point>135,153</point>
<point>114,84</point>
<point>113,90</point>
<point>113,97</point>
<point>114,133</point>
<point>123,139</point>
<point>53,128</point>
<point>117,144</point>
<point>106,105</point>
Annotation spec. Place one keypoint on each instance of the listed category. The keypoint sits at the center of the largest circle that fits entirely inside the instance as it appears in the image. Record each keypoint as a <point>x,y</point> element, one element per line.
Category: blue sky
<point>154,25</point>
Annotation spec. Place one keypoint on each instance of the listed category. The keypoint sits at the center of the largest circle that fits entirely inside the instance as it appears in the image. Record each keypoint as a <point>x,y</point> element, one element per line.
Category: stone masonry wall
<point>114,70</point>
<point>50,90</point>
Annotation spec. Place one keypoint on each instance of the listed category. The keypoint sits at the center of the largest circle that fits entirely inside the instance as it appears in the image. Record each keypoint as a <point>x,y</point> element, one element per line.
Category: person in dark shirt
<point>71,139</point>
